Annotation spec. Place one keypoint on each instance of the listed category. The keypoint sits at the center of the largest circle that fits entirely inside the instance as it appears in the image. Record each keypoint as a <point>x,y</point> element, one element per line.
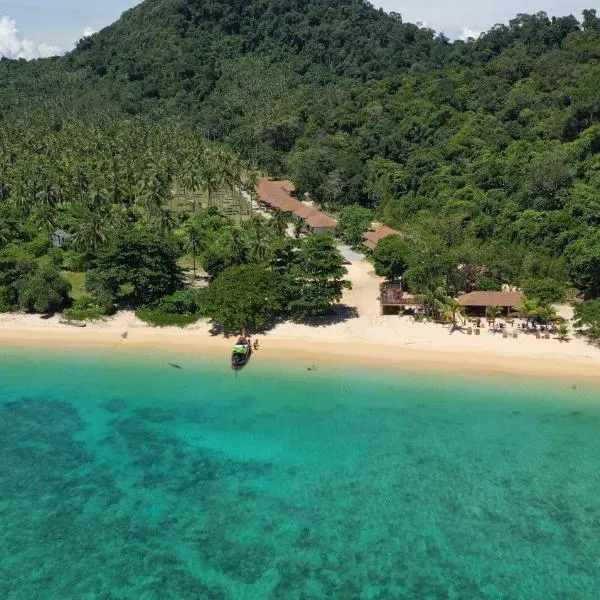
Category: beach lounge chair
<point>505,334</point>
<point>546,336</point>
<point>470,331</point>
<point>538,335</point>
<point>478,331</point>
<point>515,335</point>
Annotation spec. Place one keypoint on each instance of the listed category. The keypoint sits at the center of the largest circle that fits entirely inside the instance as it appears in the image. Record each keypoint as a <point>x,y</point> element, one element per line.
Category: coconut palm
<point>546,313</point>
<point>563,332</point>
<point>258,237</point>
<point>279,223</point>
<point>250,184</point>
<point>454,312</point>
<point>433,298</point>
<point>193,241</point>
<point>528,308</point>
<point>92,232</point>
<point>492,313</point>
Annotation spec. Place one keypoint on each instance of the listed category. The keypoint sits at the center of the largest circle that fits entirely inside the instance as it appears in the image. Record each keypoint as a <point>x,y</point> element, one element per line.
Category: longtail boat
<point>241,354</point>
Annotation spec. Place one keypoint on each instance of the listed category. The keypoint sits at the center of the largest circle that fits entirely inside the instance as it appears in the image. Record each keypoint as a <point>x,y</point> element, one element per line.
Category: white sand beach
<point>361,335</point>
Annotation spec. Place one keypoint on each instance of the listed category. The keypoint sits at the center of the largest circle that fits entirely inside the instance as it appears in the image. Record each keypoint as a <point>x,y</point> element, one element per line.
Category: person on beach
<point>256,344</point>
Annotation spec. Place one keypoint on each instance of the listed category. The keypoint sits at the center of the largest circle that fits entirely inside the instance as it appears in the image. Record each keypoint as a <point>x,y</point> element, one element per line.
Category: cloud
<point>88,31</point>
<point>12,45</point>
<point>468,33</point>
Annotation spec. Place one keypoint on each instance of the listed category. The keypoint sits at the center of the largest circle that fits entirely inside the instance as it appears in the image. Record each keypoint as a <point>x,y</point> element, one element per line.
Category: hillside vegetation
<point>487,151</point>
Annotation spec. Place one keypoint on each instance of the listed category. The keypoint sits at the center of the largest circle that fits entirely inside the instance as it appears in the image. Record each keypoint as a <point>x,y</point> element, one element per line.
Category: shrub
<point>38,246</point>
<point>157,318</point>
<point>547,290</point>
<point>43,291</point>
<point>85,309</point>
<point>56,257</point>
<point>489,284</point>
<point>8,298</point>
<point>183,302</point>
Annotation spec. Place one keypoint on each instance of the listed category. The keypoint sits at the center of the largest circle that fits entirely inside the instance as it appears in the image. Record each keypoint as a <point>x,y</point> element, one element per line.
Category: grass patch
<point>77,281</point>
<point>157,318</point>
<point>85,309</point>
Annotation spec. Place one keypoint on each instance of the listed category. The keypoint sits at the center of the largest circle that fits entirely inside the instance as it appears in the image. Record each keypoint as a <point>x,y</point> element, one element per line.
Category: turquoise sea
<point>122,477</point>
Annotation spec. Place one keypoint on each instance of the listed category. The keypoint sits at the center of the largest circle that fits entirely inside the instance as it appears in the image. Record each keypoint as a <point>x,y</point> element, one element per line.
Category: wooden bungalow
<point>393,298</point>
<point>475,303</point>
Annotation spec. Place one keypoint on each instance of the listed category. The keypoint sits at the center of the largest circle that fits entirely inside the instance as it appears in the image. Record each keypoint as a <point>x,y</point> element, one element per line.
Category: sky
<point>38,28</point>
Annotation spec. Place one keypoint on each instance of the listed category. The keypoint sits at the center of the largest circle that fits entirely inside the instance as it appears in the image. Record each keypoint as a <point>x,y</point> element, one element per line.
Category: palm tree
<point>454,312</point>
<point>163,220</point>
<point>258,240</point>
<point>563,332</point>
<point>92,233</point>
<point>434,299</point>
<point>492,313</point>
<point>250,184</point>
<point>193,241</point>
<point>190,182</point>
<point>279,223</point>
<point>546,313</point>
<point>528,308</point>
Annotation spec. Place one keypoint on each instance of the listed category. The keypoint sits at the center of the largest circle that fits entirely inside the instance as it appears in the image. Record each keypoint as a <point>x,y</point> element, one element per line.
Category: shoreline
<point>311,347</point>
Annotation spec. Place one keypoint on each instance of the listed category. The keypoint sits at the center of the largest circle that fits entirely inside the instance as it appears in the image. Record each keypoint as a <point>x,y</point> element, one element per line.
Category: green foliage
<point>246,296</point>
<point>354,220</point>
<point>493,312</point>
<point>183,302</point>
<point>56,257</point>
<point>546,290</point>
<point>391,257</point>
<point>135,267</point>
<point>488,284</point>
<point>8,298</point>
<point>492,145</point>
<point>158,318</point>
<point>588,320</point>
<point>316,276</point>
<point>43,291</point>
<point>583,257</point>
<point>85,308</point>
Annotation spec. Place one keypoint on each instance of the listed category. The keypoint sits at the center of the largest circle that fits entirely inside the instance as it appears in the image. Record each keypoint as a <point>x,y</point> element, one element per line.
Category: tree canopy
<point>245,296</point>
<point>135,267</point>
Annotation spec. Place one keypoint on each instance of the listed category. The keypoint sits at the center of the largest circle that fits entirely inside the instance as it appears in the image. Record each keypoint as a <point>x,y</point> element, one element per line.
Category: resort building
<point>279,195</point>
<point>318,222</point>
<point>393,298</point>
<point>377,232</point>
<point>475,303</point>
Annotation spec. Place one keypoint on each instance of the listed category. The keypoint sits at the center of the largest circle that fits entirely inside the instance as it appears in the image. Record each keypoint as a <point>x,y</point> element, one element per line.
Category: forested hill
<point>492,144</point>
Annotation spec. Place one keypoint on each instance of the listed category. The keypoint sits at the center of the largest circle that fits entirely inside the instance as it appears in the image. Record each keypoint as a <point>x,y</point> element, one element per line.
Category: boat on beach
<point>241,354</point>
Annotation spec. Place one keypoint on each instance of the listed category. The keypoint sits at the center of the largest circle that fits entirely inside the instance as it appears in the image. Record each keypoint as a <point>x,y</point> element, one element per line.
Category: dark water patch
<point>114,405</point>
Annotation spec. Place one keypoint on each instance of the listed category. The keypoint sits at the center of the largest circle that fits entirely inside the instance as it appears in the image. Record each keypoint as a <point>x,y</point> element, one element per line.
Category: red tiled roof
<point>509,299</point>
<point>319,220</point>
<point>372,238</point>
<point>277,194</point>
<point>303,211</point>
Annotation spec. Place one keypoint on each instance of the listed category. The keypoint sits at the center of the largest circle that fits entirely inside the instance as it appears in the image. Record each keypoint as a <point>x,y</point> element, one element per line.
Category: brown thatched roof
<point>506,299</point>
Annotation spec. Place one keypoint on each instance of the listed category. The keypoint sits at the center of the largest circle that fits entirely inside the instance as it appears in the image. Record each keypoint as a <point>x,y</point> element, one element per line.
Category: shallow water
<point>122,477</point>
